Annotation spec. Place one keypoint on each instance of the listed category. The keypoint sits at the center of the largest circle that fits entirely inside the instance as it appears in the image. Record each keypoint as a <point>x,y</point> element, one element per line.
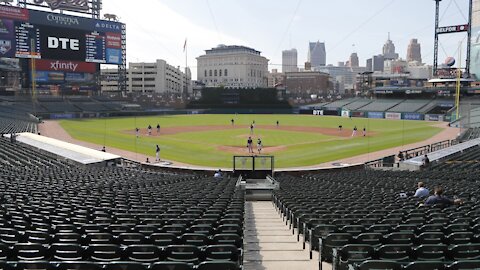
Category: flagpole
<point>186,69</point>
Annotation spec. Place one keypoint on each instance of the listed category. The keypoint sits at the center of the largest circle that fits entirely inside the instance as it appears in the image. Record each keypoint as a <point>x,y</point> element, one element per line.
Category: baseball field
<point>212,140</point>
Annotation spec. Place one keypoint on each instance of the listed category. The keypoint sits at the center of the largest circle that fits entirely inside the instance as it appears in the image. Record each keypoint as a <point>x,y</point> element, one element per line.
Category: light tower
<point>453,29</point>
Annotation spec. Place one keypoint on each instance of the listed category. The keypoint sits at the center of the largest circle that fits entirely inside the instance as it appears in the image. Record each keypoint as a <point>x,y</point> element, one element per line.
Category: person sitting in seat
<point>218,174</point>
<point>439,200</point>
<point>421,192</point>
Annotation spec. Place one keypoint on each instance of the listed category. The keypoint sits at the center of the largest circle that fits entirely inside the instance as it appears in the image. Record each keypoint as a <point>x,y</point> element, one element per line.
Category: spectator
<point>218,174</point>
<point>440,200</point>
<point>421,192</point>
<point>426,161</point>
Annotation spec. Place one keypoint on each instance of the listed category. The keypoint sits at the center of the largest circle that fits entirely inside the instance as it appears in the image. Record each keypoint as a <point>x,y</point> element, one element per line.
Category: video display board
<point>36,34</point>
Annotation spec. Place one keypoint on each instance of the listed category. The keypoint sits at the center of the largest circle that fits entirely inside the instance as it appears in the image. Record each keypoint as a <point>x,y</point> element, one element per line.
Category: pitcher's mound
<point>244,150</point>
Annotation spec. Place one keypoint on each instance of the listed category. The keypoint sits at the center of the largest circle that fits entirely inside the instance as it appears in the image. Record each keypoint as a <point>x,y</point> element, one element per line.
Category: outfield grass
<point>201,148</point>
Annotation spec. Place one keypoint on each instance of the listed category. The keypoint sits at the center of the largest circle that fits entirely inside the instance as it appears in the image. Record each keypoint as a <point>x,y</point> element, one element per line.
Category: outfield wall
<point>379,115</point>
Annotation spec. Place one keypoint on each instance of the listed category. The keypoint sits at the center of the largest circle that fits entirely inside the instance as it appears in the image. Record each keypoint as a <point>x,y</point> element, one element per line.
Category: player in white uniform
<point>259,146</point>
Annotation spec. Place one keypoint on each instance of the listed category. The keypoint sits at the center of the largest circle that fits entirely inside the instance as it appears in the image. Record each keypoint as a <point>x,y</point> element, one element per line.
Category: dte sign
<point>63,43</point>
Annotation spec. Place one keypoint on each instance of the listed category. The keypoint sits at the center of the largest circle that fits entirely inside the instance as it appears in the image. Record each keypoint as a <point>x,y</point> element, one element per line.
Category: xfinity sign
<point>63,66</point>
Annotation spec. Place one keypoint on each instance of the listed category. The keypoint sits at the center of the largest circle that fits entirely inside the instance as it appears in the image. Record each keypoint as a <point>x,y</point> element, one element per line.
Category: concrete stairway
<point>270,245</point>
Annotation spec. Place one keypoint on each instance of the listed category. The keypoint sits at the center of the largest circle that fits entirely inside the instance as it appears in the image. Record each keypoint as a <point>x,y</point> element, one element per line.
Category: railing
<point>274,182</point>
<point>388,161</point>
<point>423,150</point>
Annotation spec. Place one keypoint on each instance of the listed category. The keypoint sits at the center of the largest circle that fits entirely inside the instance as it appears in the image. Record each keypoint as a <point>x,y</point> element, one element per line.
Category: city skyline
<point>161,30</point>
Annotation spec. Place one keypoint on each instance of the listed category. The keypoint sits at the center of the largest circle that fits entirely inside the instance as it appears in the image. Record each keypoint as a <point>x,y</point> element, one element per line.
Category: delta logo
<point>109,26</point>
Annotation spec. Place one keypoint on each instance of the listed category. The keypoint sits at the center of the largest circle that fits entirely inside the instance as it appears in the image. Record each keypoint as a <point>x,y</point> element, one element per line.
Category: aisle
<point>270,245</point>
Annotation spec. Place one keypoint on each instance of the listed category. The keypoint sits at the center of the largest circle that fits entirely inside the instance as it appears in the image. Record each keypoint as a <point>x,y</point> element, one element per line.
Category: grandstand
<point>410,106</point>
<point>358,104</point>
<point>381,105</point>
<point>358,219</point>
<point>60,216</point>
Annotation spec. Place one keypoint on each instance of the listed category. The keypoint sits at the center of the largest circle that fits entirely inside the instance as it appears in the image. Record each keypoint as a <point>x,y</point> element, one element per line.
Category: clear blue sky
<point>157,28</point>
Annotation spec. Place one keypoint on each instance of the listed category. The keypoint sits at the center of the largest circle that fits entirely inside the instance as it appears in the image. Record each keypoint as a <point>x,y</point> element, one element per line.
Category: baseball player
<point>259,146</point>
<point>249,145</point>
<point>157,154</point>
<point>354,133</point>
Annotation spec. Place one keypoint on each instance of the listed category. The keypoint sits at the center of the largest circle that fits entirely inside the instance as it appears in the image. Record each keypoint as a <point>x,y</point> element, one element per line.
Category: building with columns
<point>232,67</point>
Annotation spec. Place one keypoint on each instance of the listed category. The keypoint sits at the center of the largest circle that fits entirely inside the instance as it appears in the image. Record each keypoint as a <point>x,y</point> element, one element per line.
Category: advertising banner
<point>114,41</point>
<point>317,112</point>
<point>378,115</point>
<point>412,116</point>
<point>393,116</point>
<point>48,76</point>
<point>345,113</point>
<point>106,26</point>
<point>357,114</point>
<point>114,56</point>
<point>7,38</point>
<point>61,20</point>
<point>14,13</point>
<point>66,66</point>
<point>433,117</point>
<point>62,116</point>
<point>62,44</point>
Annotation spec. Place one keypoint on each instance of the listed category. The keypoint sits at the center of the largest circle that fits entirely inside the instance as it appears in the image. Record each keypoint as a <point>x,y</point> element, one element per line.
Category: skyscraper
<point>389,50</point>
<point>414,51</point>
<point>369,64</point>
<point>354,60</point>
<point>289,61</point>
<point>317,55</point>
<point>378,63</point>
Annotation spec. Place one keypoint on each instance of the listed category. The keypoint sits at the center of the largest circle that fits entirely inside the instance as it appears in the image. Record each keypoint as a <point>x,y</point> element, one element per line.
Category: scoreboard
<point>26,33</point>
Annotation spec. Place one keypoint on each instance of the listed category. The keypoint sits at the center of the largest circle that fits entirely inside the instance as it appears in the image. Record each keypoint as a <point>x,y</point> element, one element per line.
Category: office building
<point>317,55</point>
<point>354,62</point>
<point>414,51</point>
<point>389,50</point>
<point>378,63</point>
<point>289,60</point>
